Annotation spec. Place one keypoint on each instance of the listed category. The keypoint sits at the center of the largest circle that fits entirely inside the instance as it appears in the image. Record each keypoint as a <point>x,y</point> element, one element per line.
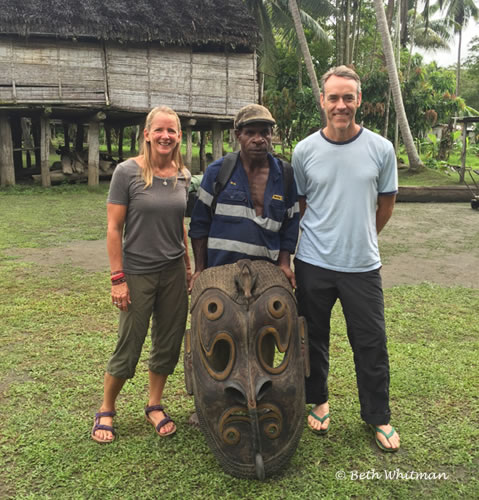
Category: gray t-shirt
<point>153,233</point>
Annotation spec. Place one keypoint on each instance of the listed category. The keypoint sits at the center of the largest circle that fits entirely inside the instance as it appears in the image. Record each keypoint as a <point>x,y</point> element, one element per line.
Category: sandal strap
<point>320,419</point>
<point>149,409</point>
<point>101,414</point>
<point>102,427</point>
<point>387,436</point>
<point>163,423</point>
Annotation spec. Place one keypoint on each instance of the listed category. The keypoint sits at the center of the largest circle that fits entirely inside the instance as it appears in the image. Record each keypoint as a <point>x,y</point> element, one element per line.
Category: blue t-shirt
<point>235,231</point>
<point>341,182</point>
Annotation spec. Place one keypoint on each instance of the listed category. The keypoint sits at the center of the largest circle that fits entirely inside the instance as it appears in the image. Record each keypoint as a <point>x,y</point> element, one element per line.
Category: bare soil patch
<point>423,242</point>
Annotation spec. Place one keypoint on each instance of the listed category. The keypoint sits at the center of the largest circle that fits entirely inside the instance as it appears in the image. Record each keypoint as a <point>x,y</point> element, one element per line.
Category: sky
<point>446,58</point>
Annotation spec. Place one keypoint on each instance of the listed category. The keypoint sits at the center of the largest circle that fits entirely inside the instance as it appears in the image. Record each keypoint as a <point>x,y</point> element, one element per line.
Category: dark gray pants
<point>361,297</point>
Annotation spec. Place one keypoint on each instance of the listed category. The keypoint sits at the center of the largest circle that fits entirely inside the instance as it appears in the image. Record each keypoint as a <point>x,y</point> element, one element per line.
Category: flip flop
<point>162,423</point>
<point>97,426</point>
<point>320,419</point>
<point>375,430</point>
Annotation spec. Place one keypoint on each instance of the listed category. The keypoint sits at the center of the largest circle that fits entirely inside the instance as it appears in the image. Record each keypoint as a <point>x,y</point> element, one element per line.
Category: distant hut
<point>108,62</point>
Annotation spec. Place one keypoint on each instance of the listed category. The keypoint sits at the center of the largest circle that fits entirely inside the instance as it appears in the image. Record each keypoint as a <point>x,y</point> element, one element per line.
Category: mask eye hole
<point>219,359</point>
<point>213,309</point>
<point>220,356</point>
<point>276,307</point>
<point>271,353</point>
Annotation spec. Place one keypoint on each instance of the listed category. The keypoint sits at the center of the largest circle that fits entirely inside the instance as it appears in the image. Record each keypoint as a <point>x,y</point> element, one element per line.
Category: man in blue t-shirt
<point>346,179</point>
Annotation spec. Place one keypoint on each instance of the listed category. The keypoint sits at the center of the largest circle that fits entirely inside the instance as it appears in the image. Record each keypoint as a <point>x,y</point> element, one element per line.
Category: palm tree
<point>273,17</point>
<point>427,34</point>
<point>308,61</point>
<point>414,160</point>
<point>460,13</point>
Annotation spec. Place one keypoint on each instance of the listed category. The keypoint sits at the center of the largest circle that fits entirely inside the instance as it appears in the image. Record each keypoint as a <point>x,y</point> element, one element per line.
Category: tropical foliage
<point>346,32</point>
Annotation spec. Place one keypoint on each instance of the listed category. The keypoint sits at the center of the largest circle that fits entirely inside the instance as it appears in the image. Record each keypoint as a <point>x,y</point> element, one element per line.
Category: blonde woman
<point>150,267</point>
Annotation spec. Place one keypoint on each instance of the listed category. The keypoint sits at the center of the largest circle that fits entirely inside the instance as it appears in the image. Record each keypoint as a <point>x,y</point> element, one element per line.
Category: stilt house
<point>108,62</point>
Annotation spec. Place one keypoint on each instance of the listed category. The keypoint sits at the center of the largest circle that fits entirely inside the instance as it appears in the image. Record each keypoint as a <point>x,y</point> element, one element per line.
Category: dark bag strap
<point>223,176</point>
<point>288,177</point>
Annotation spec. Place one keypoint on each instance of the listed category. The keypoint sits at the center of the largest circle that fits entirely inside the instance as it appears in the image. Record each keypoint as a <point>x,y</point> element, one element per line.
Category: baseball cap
<point>253,113</point>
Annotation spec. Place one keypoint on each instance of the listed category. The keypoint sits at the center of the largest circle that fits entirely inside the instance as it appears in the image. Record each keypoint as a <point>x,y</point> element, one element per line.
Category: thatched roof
<point>214,23</point>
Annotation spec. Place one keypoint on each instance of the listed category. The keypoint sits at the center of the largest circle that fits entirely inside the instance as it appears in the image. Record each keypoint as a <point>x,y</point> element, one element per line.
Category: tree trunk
<point>397,39</point>
<point>339,33</point>
<point>261,88</point>
<point>300,70</point>
<point>347,33</point>
<point>386,114</point>
<point>390,13</point>
<point>462,171</point>
<point>373,52</point>
<point>413,33</point>
<point>356,31</point>
<point>414,160</point>
<point>458,69</point>
<point>293,7</point>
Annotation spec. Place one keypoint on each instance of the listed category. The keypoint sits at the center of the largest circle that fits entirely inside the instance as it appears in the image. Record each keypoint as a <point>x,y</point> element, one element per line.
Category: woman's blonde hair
<point>145,148</point>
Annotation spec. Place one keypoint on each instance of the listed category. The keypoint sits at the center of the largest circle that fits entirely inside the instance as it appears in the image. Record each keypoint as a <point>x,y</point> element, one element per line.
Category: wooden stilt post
<point>189,147</point>
<point>45,150</point>
<point>93,153</point>
<point>7,170</point>
<point>120,143</point>
<point>79,137</point>
<point>66,136</point>
<point>202,151</point>
<point>108,138</point>
<point>133,132</point>
<point>189,124</point>
<point>234,141</point>
<point>36,141</point>
<point>16,125</point>
<point>27,140</point>
<point>217,141</point>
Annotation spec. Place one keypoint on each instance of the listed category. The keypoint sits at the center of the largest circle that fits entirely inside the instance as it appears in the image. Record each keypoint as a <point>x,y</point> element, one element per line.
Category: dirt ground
<point>423,242</point>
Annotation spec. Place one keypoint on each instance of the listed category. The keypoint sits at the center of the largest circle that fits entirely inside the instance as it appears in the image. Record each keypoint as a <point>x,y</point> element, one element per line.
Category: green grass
<point>441,176</point>
<point>57,330</point>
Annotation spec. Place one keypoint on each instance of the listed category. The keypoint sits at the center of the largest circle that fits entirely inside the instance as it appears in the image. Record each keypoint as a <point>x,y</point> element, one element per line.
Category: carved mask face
<point>247,369</point>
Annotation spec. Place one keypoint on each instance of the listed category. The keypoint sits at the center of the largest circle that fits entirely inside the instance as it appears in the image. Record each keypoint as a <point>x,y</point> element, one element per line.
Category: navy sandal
<point>162,423</point>
<point>102,427</point>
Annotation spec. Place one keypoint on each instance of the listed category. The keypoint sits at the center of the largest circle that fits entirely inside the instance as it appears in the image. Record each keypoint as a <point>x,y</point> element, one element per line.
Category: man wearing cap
<point>253,218</point>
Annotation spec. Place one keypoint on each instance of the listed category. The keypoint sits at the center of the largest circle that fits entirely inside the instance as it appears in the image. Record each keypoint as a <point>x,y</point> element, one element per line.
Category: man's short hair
<point>253,113</point>
<point>342,71</point>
